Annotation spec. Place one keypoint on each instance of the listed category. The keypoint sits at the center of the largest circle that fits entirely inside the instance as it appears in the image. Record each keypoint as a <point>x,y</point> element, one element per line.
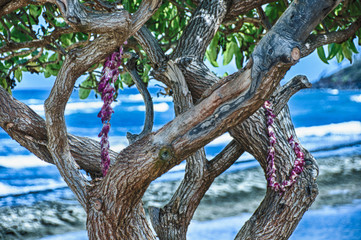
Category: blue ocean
<point>328,123</point>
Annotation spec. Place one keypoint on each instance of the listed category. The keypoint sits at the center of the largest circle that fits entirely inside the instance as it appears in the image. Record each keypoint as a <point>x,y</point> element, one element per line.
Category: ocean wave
<point>94,107</point>
<point>356,98</point>
<point>74,107</point>
<point>8,190</point>
<point>22,161</point>
<point>221,140</point>
<point>33,101</point>
<point>137,98</point>
<point>332,91</point>
<point>345,128</point>
<point>159,107</point>
<point>338,131</point>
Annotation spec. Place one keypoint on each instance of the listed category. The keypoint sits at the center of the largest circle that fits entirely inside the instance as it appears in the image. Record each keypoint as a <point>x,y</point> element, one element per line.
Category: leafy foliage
<point>36,38</point>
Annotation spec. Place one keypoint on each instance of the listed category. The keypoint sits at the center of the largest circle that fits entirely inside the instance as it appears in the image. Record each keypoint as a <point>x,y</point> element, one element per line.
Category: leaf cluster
<point>36,38</point>
<point>340,19</point>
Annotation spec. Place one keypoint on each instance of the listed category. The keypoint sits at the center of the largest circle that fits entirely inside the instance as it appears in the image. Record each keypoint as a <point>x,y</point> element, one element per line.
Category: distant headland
<point>347,78</point>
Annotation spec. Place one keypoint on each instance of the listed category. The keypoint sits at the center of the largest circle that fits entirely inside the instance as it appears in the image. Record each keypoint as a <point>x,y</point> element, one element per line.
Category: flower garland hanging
<point>110,74</point>
<point>271,168</point>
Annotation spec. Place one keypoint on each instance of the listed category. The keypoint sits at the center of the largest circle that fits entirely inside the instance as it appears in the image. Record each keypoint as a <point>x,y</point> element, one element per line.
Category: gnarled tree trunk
<point>206,107</point>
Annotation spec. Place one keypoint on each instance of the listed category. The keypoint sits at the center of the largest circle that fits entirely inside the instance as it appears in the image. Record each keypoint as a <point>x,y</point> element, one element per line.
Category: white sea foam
<point>74,107</point>
<point>94,107</point>
<point>356,98</point>
<point>21,161</point>
<point>159,107</point>
<point>221,140</point>
<point>137,98</point>
<point>345,128</point>
<point>33,101</point>
<point>6,189</point>
<point>313,137</point>
<point>333,91</point>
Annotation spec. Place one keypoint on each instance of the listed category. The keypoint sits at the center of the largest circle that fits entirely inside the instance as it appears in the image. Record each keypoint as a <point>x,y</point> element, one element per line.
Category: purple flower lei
<point>271,168</point>
<point>110,74</point>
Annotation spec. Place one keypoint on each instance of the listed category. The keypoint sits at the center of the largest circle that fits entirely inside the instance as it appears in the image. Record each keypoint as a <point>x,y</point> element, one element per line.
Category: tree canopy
<point>35,38</point>
<point>169,41</point>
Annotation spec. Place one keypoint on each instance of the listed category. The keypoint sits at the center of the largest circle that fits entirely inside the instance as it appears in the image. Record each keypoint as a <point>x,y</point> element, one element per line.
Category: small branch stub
<point>97,204</point>
<point>296,54</point>
<point>165,153</point>
<point>9,126</point>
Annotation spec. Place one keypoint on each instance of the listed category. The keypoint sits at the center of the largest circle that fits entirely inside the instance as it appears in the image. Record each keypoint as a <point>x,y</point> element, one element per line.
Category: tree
<point>69,38</point>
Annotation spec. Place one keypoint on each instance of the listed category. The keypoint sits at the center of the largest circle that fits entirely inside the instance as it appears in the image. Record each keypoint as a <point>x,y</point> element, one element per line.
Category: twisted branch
<point>149,111</point>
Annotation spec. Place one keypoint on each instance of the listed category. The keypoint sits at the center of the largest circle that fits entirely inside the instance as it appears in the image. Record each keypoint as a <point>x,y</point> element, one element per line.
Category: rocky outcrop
<point>39,220</point>
<point>347,78</point>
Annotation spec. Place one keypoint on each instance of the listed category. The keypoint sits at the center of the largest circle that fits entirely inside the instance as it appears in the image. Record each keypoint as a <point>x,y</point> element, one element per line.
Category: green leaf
<point>84,93</point>
<point>347,52</point>
<point>248,39</point>
<point>321,54</point>
<point>18,74</point>
<point>339,56</point>
<point>85,88</point>
<point>118,85</point>
<point>35,11</point>
<point>47,74</point>
<point>145,75</point>
<point>230,51</point>
<point>214,47</point>
<point>352,46</point>
<point>4,84</point>
<point>213,62</point>
<point>127,79</point>
<point>333,49</point>
<point>239,58</point>
<point>53,57</point>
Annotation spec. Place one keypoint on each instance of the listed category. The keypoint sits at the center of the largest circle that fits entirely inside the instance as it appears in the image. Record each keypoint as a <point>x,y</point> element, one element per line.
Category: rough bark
<point>113,203</point>
<point>168,211</point>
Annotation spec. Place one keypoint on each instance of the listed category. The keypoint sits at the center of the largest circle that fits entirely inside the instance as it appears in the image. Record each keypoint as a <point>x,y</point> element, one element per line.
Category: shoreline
<point>320,224</point>
<point>233,195</point>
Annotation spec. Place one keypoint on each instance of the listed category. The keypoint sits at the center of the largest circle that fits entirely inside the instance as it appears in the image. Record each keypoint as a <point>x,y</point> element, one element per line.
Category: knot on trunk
<point>96,203</point>
<point>166,153</point>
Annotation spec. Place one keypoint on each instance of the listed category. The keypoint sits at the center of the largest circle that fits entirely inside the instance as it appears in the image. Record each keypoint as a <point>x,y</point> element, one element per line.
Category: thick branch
<point>289,206</point>
<point>201,29</point>
<point>79,18</point>
<point>224,159</point>
<point>142,88</point>
<point>75,64</point>
<point>240,7</point>
<point>146,9</point>
<point>315,41</point>
<point>243,94</point>
<point>180,209</point>
<point>284,93</point>
<point>82,20</point>
<point>151,47</point>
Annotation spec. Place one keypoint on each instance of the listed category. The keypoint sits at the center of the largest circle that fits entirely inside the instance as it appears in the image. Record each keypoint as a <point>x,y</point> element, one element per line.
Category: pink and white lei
<point>110,74</point>
<point>271,168</point>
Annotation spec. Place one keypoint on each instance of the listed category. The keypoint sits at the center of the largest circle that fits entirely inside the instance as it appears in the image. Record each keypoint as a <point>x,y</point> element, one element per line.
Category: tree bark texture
<point>113,203</point>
